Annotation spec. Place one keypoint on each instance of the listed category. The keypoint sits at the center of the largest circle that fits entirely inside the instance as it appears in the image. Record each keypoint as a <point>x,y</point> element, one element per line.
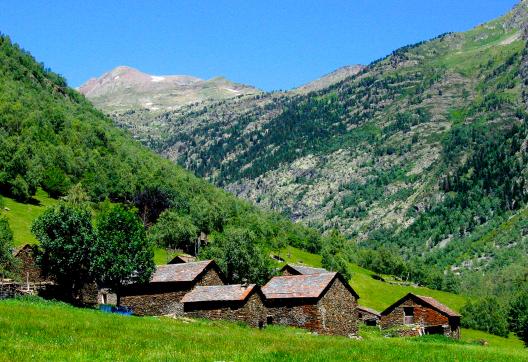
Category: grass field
<point>375,293</point>
<point>21,216</point>
<point>42,331</point>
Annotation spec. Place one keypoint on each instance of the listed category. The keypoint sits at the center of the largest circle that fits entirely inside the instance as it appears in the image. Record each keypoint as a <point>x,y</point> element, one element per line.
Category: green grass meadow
<point>34,330</point>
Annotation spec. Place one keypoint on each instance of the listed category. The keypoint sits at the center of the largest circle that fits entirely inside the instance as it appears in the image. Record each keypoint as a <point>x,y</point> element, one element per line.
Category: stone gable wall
<point>252,311</point>
<point>338,311</point>
<point>28,267</point>
<point>334,314</point>
<point>164,298</point>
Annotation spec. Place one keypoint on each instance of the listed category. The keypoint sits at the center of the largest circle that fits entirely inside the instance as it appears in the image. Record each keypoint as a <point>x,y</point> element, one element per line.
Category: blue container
<point>122,311</point>
<point>107,308</point>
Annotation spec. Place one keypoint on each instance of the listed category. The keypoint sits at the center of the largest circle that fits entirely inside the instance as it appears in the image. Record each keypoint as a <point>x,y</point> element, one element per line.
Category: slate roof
<point>429,301</point>
<point>303,269</point>
<point>439,306</point>
<point>368,310</point>
<point>301,286</point>
<point>185,272</point>
<point>219,293</point>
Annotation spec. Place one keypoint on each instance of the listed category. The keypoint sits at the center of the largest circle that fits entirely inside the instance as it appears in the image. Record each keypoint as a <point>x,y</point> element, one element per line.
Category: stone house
<point>418,315</point>
<point>294,269</point>
<point>243,303</point>
<point>368,316</point>
<point>169,283</point>
<point>324,303</point>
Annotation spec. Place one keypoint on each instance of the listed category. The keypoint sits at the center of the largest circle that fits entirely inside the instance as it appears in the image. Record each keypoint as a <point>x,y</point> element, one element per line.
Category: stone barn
<point>368,316</point>
<point>293,269</point>
<point>28,269</point>
<point>169,283</point>
<point>418,315</point>
<point>323,303</point>
<point>243,303</point>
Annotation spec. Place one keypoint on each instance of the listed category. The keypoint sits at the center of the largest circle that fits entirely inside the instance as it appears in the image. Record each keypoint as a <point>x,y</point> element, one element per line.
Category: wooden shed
<point>418,315</point>
<point>244,303</point>
<point>169,283</point>
<point>295,269</point>
<point>324,303</point>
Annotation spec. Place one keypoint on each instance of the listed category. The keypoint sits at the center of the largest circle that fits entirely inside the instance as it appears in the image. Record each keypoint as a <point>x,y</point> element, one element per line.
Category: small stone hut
<point>184,258</point>
<point>28,269</point>
<point>323,303</point>
<point>418,315</point>
<point>169,283</point>
<point>368,316</point>
<point>244,303</point>
<point>294,269</point>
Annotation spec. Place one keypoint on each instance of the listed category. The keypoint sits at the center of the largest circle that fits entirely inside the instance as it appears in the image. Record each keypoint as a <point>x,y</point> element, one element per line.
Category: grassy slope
<point>51,331</point>
<point>374,293</point>
<point>21,216</point>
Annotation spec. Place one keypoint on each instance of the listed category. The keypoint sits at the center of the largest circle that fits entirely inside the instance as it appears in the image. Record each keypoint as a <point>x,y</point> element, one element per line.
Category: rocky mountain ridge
<point>125,88</point>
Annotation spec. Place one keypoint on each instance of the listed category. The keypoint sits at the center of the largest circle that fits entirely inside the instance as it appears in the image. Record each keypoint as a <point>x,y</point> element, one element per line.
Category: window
<point>408,315</point>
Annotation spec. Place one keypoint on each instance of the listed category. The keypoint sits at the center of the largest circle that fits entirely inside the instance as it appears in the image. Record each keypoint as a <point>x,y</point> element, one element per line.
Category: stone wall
<point>161,301</point>
<point>251,311</point>
<point>163,298</point>
<point>424,316</point>
<point>295,313</point>
<point>338,311</point>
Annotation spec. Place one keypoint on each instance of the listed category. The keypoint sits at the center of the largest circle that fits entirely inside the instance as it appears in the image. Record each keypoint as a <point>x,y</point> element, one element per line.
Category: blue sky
<point>270,44</point>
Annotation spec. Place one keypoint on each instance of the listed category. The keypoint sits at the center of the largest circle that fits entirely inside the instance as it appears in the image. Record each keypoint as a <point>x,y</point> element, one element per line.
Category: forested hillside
<point>52,139</point>
<point>421,154</point>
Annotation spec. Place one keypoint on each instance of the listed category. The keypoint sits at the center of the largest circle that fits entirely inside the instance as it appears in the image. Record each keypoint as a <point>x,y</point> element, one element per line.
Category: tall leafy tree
<point>240,256</point>
<point>121,252</point>
<point>7,261</point>
<point>66,235</point>
<point>174,231</point>
<point>334,254</point>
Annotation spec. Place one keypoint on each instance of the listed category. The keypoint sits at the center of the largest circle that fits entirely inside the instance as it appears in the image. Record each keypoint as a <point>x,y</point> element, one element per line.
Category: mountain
<point>52,139</point>
<point>125,88</point>
<point>331,78</point>
<point>422,152</point>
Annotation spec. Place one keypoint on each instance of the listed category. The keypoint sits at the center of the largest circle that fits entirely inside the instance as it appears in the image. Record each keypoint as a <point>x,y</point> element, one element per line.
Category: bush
<point>519,315</point>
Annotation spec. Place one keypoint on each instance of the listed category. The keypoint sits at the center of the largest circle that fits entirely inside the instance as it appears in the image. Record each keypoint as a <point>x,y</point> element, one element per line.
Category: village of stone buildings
<point>315,299</point>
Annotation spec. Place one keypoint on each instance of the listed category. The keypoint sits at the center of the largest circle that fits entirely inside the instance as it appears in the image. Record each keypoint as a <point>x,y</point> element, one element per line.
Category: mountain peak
<point>125,87</point>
